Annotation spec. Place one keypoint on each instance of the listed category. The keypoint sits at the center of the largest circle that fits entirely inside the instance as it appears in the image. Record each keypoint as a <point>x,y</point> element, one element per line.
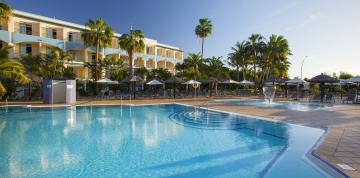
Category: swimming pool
<point>297,106</point>
<point>167,140</point>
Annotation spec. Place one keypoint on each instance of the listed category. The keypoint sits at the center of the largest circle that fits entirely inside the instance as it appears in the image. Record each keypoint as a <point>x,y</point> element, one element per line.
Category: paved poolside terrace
<point>341,143</point>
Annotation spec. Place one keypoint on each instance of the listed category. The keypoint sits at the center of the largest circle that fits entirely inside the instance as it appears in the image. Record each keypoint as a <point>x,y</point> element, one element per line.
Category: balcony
<point>109,51</point>
<point>4,36</point>
<point>19,38</point>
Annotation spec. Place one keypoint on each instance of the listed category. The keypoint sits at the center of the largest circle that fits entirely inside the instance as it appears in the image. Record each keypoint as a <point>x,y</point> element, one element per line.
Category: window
<point>93,56</point>
<point>28,49</point>
<point>51,33</point>
<point>71,36</point>
<point>147,50</point>
<point>26,28</point>
<point>54,33</point>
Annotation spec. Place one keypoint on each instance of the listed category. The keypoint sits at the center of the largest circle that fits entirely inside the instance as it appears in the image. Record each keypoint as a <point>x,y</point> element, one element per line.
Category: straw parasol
<point>296,81</point>
<point>154,82</point>
<point>274,80</point>
<point>173,80</point>
<point>322,79</point>
<point>107,81</point>
<point>212,82</point>
<point>229,81</point>
<point>356,80</point>
<point>190,82</point>
<point>246,82</point>
<point>131,80</point>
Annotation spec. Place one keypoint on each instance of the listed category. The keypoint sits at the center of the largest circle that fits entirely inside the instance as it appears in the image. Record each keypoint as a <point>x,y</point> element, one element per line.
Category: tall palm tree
<point>278,48</point>
<point>239,58</point>
<point>98,34</point>
<point>203,30</point>
<point>132,43</point>
<point>255,44</point>
<point>5,11</point>
<point>194,60</point>
<point>10,70</point>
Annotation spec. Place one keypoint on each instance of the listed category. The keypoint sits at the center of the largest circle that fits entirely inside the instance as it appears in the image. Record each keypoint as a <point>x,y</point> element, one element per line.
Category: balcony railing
<point>19,37</point>
<point>4,36</point>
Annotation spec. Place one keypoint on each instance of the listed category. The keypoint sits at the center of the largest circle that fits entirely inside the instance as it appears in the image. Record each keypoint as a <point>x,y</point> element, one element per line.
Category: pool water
<point>297,106</point>
<point>150,141</point>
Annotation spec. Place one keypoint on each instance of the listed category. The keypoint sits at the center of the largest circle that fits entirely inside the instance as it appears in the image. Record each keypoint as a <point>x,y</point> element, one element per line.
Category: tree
<point>203,30</point>
<point>50,66</point>
<point>255,44</point>
<point>345,75</point>
<point>5,11</point>
<point>115,68</point>
<point>159,72</point>
<point>98,34</point>
<point>278,49</point>
<point>11,71</point>
<point>132,43</point>
<point>193,61</point>
<point>239,58</point>
<point>141,72</point>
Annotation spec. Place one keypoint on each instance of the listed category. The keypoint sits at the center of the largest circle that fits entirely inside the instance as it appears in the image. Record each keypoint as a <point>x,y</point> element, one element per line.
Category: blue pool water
<point>297,106</point>
<point>150,141</point>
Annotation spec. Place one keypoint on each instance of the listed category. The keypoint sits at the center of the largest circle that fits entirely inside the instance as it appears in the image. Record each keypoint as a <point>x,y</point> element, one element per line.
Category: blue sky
<point>327,31</point>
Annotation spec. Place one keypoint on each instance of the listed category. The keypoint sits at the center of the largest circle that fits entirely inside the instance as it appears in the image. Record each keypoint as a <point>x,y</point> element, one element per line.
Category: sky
<point>327,31</point>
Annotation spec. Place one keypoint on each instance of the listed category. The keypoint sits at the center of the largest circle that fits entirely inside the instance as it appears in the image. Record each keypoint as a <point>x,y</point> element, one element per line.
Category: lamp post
<point>302,64</point>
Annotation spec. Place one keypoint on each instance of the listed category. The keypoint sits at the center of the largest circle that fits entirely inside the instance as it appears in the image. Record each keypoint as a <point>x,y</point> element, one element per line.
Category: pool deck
<point>340,145</point>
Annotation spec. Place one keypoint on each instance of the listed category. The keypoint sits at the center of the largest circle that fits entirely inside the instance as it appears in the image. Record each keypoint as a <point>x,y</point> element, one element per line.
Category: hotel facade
<point>33,34</point>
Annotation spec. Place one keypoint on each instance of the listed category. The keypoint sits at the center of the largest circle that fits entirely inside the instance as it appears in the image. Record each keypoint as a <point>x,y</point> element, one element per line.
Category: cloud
<point>309,19</point>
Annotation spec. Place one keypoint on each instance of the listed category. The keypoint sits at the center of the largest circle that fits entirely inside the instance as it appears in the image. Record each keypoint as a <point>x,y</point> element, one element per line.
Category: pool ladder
<point>205,103</point>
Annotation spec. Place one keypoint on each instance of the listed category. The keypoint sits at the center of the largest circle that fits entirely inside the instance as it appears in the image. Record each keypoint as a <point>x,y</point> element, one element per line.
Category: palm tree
<point>278,50</point>
<point>255,45</point>
<point>203,30</point>
<point>216,70</point>
<point>193,61</point>
<point>132,43</point>
<point>239,58</point>
<point>5,11</point>
<point>98,34</point>
<point>10,70</point>
<point>116,68</point>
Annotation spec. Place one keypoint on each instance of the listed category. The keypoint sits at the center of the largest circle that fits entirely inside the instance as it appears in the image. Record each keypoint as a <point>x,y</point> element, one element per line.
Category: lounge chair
<point>329,98</point>
<point>348,99</point>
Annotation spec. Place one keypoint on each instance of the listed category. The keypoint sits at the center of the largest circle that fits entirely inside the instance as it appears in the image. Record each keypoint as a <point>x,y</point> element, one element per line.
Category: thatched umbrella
<point>355,80</point>
<point>296,81</point>
<point>211,81</point>
<point>246,82</point>
<point>132,81</point>
<point>275,80</point>
<point>322,79</point>
<point>173,80</point>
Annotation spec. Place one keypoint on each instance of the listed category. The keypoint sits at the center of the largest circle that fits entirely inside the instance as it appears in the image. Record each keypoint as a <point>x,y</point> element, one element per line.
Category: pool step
<point>207,120</point>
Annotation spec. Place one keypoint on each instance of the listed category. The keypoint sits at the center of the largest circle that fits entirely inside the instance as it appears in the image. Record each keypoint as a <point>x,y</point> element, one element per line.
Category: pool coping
<point>311,156</point>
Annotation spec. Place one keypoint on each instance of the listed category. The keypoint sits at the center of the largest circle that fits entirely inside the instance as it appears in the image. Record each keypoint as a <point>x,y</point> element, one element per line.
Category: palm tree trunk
<point>97,60</point>
<point>244,72</point>
<point>254,63</point>
<point>237,73</point>
<point>131,73</point>
<point>202,48</point>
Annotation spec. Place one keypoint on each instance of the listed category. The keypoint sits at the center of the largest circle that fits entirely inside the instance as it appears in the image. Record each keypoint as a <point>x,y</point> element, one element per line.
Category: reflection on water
<point>123,141</point>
